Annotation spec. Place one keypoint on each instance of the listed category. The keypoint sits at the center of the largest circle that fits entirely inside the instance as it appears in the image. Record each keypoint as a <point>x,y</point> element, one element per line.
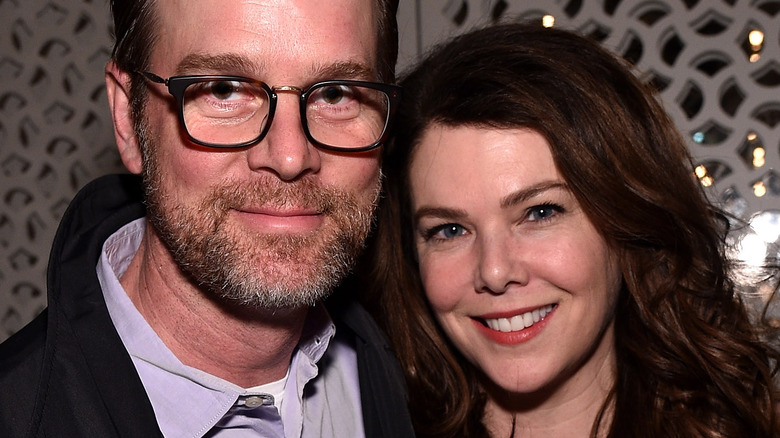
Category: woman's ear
<point>118,93</point>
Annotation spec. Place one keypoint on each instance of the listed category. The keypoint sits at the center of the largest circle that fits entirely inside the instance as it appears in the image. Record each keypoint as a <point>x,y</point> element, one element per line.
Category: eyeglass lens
<point>229,112</point>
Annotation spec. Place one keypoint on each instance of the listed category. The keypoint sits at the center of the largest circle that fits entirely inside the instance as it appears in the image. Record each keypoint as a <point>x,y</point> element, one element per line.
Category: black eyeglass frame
<point>177,84</point>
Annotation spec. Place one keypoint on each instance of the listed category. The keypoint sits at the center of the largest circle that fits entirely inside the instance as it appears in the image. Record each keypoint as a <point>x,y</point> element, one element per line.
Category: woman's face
<point>516,274</point>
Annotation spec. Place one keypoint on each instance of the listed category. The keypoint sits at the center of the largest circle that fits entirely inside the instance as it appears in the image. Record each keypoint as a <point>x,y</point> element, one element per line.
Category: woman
<point>546,263</point>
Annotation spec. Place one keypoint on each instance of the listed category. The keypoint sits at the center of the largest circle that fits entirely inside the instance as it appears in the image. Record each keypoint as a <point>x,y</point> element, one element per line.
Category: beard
<point>253,269</point>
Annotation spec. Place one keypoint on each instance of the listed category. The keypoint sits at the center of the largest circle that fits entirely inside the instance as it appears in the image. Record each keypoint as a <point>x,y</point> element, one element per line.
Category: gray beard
<point>254,270</point>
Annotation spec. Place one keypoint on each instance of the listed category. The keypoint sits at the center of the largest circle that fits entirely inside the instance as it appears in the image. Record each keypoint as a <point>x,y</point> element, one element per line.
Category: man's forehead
<point>277,15</point>
<point>254,37</point>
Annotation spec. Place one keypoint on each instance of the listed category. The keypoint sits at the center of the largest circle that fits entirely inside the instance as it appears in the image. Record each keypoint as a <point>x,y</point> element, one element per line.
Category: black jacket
<point>67,373</point>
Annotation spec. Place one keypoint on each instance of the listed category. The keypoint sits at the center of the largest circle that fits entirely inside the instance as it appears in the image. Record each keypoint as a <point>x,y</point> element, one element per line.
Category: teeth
<point>519,322</point>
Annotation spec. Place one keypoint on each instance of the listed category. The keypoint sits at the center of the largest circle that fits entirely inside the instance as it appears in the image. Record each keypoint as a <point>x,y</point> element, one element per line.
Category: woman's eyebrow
<point>510,200</point>
<point>439,212</point>
<point>530,192</point>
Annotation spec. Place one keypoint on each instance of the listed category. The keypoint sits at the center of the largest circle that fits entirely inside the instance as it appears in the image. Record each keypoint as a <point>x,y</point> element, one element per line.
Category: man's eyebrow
<point>218,64</point>
<point>236,64</point>
<point>345,70</point>
<point>530,192</point>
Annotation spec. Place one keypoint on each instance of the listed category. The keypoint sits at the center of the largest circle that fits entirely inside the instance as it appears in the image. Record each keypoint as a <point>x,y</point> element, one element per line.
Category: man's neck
<point>247,347</point>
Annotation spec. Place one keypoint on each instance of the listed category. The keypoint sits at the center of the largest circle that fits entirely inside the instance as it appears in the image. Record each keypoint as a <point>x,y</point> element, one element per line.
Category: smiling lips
<point>519,322</point>
<point>271,220</point>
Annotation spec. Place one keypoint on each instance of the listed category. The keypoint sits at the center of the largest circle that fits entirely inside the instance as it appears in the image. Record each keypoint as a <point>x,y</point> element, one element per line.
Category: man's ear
<point>118,93</point>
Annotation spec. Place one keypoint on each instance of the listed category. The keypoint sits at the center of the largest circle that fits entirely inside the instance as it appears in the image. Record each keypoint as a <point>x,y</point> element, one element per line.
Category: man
<point>191,304</point>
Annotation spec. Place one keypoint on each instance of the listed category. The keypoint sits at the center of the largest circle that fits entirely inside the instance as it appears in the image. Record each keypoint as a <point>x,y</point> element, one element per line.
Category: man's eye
<point>223,89</point>
<point>333,94</point>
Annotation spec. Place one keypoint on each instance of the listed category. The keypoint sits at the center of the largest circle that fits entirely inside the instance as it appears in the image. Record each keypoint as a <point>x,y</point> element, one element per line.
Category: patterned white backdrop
<point>722,91</point>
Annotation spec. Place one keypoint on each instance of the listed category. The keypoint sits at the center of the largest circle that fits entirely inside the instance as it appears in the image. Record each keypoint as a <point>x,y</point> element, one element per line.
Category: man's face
<point>276,224</point>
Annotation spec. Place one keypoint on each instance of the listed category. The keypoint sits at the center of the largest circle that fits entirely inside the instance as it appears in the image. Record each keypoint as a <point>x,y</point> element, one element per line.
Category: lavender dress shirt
<point>320,396</point>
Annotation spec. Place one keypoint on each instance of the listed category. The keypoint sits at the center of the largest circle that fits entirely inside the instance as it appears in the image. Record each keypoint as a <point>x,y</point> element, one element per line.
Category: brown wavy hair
<point>690,362</point>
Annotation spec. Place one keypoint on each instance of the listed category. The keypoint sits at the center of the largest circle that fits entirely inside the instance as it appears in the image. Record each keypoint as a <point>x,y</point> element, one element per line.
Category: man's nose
<point>285,150</point>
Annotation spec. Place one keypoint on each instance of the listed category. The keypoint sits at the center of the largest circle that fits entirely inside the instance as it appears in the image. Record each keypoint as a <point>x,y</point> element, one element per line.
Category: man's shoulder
<point>53,383</point>
<point>54,375</point>
<point>21,364</point>
<point>23,352</point>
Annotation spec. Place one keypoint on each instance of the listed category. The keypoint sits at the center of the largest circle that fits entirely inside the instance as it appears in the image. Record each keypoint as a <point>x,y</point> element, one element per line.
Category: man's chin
<point>282,295</point>
<point>277,279</point>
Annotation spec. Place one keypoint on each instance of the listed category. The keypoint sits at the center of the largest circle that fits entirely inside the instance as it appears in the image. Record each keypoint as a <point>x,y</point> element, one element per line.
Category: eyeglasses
<point>236,112</point>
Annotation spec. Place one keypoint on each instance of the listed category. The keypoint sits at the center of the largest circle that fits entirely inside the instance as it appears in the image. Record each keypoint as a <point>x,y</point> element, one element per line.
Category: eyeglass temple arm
<point>153,77</point>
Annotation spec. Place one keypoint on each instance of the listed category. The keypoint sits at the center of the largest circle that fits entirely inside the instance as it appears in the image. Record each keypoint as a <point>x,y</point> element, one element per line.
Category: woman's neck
<point>564,422</point>
<point>567,411</point>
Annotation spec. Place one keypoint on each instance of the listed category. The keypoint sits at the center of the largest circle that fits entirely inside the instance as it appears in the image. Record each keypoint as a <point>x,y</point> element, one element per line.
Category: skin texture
<point>499,234</point>
<point>276,209</point>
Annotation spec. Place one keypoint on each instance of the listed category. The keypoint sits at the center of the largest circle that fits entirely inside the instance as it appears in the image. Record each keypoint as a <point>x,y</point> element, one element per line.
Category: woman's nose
<point>500,264</point>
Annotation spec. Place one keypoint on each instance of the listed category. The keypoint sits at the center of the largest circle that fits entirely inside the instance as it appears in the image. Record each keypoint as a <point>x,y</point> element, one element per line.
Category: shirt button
<point>254,401</point>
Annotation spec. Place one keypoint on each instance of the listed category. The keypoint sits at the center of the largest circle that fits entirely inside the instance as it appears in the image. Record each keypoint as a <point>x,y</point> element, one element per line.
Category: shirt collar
<point>188,401</point>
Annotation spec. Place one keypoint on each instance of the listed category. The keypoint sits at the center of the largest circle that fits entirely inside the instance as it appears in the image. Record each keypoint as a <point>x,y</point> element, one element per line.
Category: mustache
<point>268,191</point>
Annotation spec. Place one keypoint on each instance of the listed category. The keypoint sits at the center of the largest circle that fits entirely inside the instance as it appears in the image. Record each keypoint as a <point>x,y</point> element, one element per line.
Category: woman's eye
<point>544,211</point>
<point>445,232</point>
